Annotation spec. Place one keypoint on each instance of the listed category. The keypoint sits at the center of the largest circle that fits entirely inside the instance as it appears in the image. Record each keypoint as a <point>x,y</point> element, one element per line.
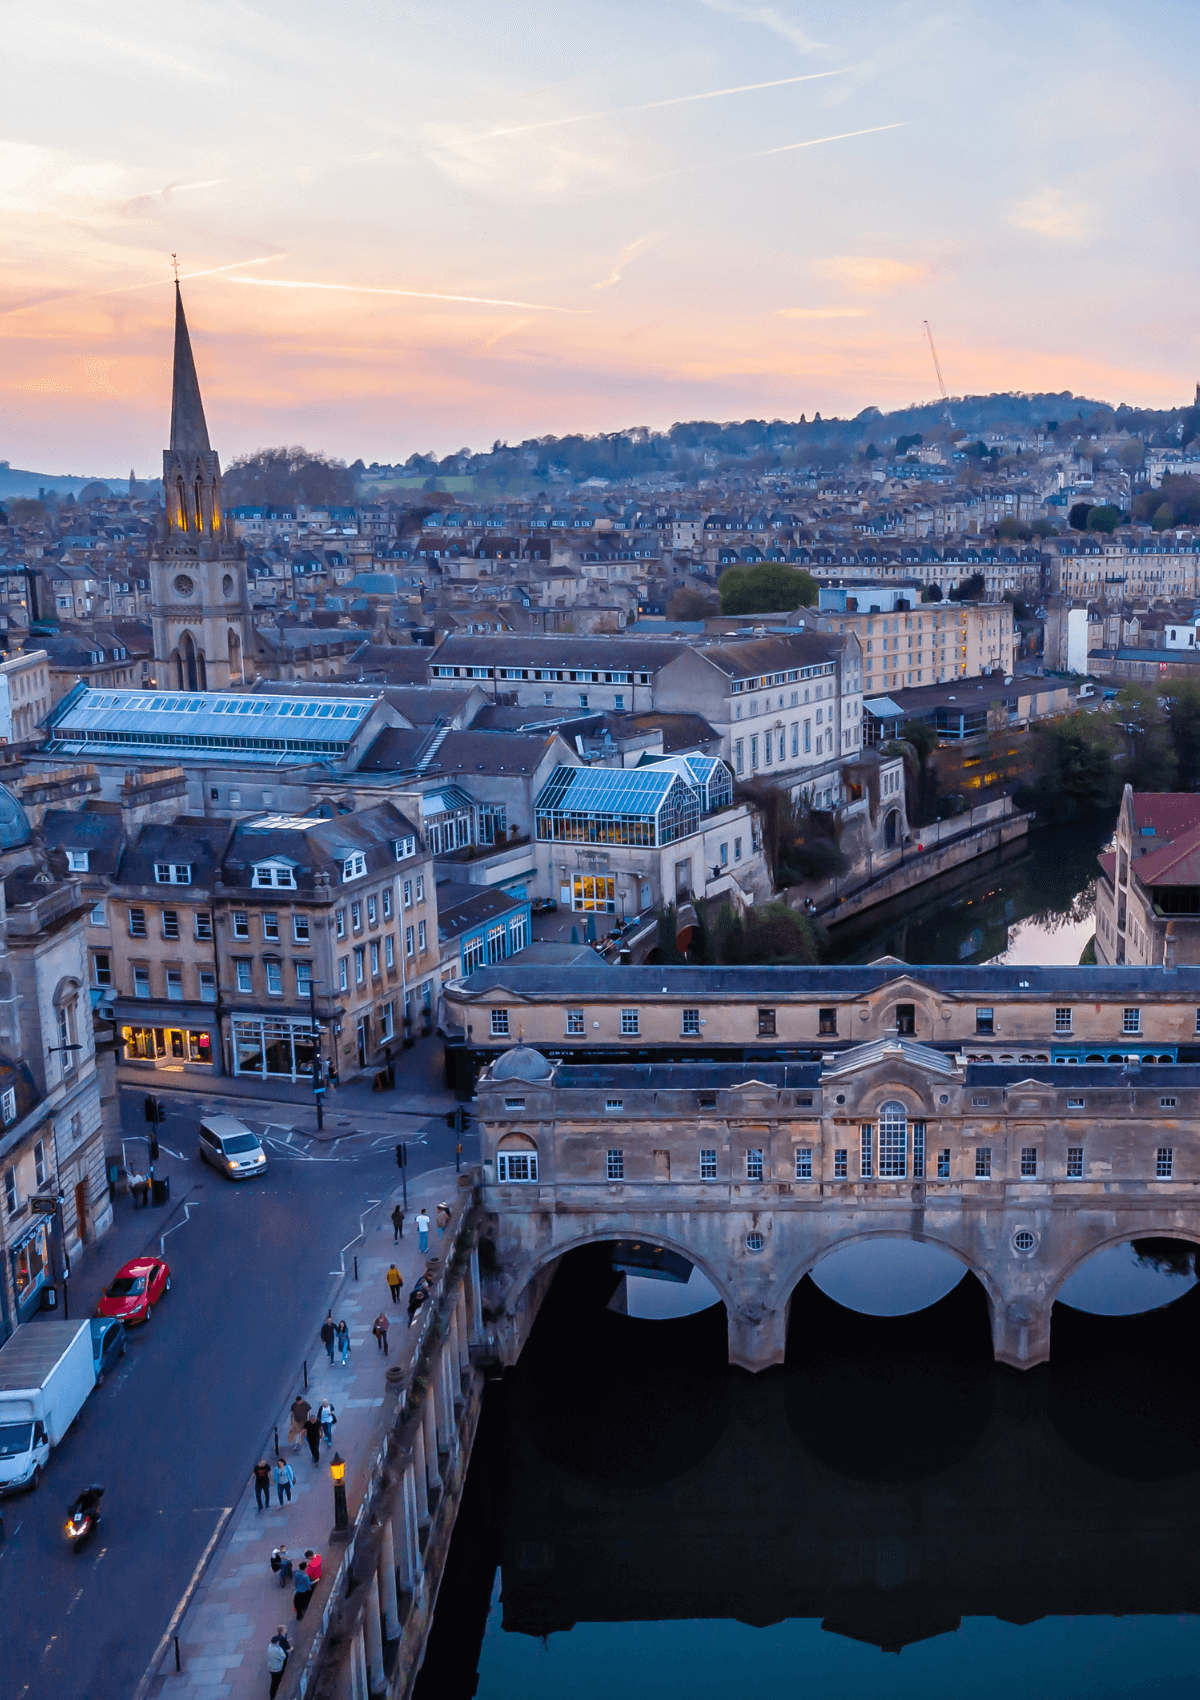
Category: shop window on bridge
<point>1131,1021</point>
<point>893,1141</point>
<point>1028,1162</point>
<point>615,1165</point>
<point>1062,1020</point>
<point>1074,1162</point>
<point>766,1023</point>
<point>754,1165</point>
<point>943,1165</point>
<point>708,1165</point>
<point>516,1159</point>
<point>841,1165</point>
<point>983,1163</point>
<point>804,1163</point>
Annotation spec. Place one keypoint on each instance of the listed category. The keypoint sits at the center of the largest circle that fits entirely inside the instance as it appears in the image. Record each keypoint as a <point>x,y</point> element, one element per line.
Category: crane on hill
<point>937,366</point>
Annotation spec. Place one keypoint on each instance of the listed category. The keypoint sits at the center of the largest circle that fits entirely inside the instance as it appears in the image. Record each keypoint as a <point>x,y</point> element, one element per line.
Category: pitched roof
<point>1165,813</point>
<point>189,433</point>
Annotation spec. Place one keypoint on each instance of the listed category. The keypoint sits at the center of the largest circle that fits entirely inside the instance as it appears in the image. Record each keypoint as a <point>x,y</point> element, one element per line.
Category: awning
<point>883,708</point>
<point>144,1012</point>
<point>30,1233</point>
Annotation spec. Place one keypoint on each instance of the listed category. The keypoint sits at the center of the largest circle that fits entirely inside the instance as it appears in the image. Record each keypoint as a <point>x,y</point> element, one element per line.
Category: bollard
<point>356,1268</point>
<point>306,1375</point>
<point>276,1440</point>
<point>178,1666</point>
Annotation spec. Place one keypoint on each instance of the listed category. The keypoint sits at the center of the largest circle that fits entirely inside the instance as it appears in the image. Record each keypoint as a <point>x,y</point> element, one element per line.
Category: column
<point>464,1349</point>
<point>453,1355</point>
<point>358,1667</point>
<point>476,1299</point>
<point>373,1632</point>
<point>410,1546</point>
<point>431,1439</point>
<point>420,1476</point>
<point>453,1392</point>
<point>387,1581</point>
<point>445,1422</point>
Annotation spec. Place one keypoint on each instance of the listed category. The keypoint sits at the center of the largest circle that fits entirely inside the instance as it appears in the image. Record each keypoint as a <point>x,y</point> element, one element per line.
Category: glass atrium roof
<point>208,725</point>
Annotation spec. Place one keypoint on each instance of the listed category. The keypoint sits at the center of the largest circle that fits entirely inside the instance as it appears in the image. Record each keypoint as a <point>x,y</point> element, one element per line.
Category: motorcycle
<point>83,1519</point>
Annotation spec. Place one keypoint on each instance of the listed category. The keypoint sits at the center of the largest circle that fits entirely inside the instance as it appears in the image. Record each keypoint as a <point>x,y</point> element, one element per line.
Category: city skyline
<point>403,232</point>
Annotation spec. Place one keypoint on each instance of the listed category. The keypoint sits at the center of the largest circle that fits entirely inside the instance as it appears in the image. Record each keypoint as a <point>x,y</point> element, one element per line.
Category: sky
<point>409,227</point>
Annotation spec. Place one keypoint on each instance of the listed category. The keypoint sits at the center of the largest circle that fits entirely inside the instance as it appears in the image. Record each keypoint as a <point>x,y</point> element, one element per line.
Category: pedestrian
<point>422,1230</point>
<point>297,1417</point>
<point>303,1592</point>
<point>327,1416</point>
<point>281,1564</point>
<point>137,1188</point>
<point>343,1337</point>
<point>443,1219</point>
<point>417,1298</point>
<point>312,1433</point>
<point>312,1564</point>
<point>278,1648</point>
<point>284,1477</point>
<point>379,1330</point>
<point>397,1224</point>
<point>327,1334</point>
<point>262,1484</point>
<point>395,1281</point>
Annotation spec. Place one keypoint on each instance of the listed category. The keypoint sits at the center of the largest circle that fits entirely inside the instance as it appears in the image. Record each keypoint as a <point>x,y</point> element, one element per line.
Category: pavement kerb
<point>367,1466</point>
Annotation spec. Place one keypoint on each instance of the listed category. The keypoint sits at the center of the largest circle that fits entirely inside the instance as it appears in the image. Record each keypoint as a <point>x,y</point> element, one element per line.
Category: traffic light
<point>402,1156</point>
<point>151,1110</point>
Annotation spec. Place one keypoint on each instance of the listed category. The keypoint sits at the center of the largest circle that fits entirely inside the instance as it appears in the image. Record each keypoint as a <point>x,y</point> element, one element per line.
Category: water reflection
<point>889,1490</point>
<point>1033,904</point>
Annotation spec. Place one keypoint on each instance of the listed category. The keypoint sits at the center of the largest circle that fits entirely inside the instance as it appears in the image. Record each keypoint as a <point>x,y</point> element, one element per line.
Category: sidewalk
<point>239,1604</point>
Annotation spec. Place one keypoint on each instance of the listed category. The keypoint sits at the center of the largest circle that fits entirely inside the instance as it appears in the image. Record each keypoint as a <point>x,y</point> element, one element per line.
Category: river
<point>888,1513</point>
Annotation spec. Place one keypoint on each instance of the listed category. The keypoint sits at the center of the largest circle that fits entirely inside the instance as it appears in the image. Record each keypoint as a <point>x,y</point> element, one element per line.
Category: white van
<point>229,1146</point>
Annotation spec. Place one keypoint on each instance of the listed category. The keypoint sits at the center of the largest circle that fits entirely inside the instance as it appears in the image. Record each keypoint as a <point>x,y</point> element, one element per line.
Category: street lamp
<point>341,1516</point>
<point>318,1083</point>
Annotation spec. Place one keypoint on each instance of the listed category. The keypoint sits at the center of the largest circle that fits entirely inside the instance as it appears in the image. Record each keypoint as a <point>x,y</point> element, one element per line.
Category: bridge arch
<point>536,1265</point>
<point>781,1294</point>
<point>1157,1293</point>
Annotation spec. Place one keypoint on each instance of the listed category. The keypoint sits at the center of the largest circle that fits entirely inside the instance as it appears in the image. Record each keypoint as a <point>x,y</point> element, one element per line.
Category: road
<point>174,1431</point>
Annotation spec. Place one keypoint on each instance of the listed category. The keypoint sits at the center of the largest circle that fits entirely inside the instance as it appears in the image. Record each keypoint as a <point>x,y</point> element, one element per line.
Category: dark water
<point>1031,905</point>
<point>889,1513</point>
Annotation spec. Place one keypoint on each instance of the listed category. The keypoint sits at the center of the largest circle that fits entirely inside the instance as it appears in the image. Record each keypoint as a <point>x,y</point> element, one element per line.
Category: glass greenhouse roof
<point>614,805</point>
<point>209,724</point>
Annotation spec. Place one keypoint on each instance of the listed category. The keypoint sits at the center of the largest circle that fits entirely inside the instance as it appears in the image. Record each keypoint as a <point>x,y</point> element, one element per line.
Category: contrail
<point>819,141</point>
<point>646,106</point>
<point>185,277</point>
<point>409,294</point>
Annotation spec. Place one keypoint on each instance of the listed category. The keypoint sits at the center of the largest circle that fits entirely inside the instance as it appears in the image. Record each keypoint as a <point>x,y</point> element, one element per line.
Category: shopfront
<point>166,1045</point>
<point>31,1265</point>
<point>273,1046</point>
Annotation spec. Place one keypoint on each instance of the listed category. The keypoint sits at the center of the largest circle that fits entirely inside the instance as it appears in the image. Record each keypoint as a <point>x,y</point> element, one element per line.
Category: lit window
<point>270,926</point>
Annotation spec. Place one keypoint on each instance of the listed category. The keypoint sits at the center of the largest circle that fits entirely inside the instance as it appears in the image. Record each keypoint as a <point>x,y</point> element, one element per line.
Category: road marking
<point>7,1547</point>
<point>143,1687</point>
<point>74,1602</point>
<point>49,1645</point>
<point>99,1556</point>
<point>187,1214</point>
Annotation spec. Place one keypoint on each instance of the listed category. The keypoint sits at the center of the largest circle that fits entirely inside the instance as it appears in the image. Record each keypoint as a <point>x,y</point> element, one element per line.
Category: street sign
<point>44,1203</point>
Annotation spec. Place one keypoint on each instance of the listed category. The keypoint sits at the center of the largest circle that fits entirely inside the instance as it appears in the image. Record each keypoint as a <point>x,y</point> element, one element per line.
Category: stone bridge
<point>756,1181</point>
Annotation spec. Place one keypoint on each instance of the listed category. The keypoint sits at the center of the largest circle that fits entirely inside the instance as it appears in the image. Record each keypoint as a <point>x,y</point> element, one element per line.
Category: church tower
<point>199,602</point>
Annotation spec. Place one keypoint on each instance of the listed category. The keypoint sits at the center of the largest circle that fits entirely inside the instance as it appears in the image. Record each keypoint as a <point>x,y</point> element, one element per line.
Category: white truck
<point>46,1372</point>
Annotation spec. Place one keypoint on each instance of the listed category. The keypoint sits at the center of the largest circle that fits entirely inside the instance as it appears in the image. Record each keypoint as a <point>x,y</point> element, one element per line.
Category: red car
<point>135,1290</point>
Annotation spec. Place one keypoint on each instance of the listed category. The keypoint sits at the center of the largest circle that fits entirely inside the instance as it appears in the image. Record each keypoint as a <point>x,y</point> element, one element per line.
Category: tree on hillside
<point>1104,518</point>
<point>771,588</point>
<point>24,510</point>
<point>969,589</point>
<point>270,477</point>
<point>1077,519</point>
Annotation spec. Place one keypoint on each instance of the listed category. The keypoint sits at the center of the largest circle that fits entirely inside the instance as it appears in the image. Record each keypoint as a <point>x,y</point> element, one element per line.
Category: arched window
<point>516,1160</point>
<point>183,513</point>
<point>199,514</point>
<point>893,1140</point>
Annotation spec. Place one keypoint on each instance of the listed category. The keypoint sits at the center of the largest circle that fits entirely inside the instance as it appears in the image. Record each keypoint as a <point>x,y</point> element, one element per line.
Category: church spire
<point>189,433</point>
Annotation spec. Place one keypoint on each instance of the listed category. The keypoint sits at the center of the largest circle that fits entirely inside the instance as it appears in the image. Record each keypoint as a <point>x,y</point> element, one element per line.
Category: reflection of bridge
<point>754,1172</point>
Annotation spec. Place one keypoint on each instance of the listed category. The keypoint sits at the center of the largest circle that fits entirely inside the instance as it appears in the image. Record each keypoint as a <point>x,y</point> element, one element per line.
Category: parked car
<point>135,1289</point>
<point>109,1340</point>
<point>229,1146</point>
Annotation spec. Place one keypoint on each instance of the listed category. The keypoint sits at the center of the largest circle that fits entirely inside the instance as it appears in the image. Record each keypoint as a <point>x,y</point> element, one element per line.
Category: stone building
<point>1148,894</point>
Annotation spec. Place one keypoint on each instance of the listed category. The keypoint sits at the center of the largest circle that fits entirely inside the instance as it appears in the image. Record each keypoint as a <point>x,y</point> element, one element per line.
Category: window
<point>242,969</point>
<point>804,1163</point>
<point>175,985</point>
<point>405,847</point>
<point>629,1022</point>
<point>387,902</point>
<point>906,1019</point>
<point>141,982</point>
<point>300,928</point>
<point>611,1105</point>
<point>866,1150</point>
<point>421,935</point>
<point>1131,1021</point>
<point>374,956</point>
<point>766,1023</point>
<point>1074,1103</point>
<point>77,861</point>
<point>354,867</point>
<point>274,874</point>
<point>691,1022</point>
<point>339,920</point>
<point>173,873</point>
<point>420,888</point>
<point>371,912</point>
<point>1028,1162</point>
<point>387,1018</point>
<point>208,986</point>
<point>343,972</point>
<point>356,917</point>
<point>303,979</point>
<point>137,923</point>
<point>918,1148</point>
<point>270,926</point>
<point>1074,1162</point>
<point>984,1022</point>
<point>615,1165</point>
<point>360,957</point>
<point>983,1162</point>
<point>980,1103</point>
<point>737,849</point>
<point>1164,1163</point>
<point>102,968</point>
<point>516,1166</point>
<point>408,941</point>
<point>1062,1020</point>
<point>575,1021</point>
<point>500,1024</point>
<point>274,970</point>
<point>241,926</point>
<point>389,950</point>
<point>827,1022</point>
<point>754,1165</point>
<point>1166,1103</point>
<point>708,1165</point>
<point>893,1141</point>
<point>943,1166</point>
<point>39,1163</point>
<point>8,1106</point>
<point>97,917</point>
<point>203,924</point>
<point>840,1166</point>
<point>514,1103</point>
